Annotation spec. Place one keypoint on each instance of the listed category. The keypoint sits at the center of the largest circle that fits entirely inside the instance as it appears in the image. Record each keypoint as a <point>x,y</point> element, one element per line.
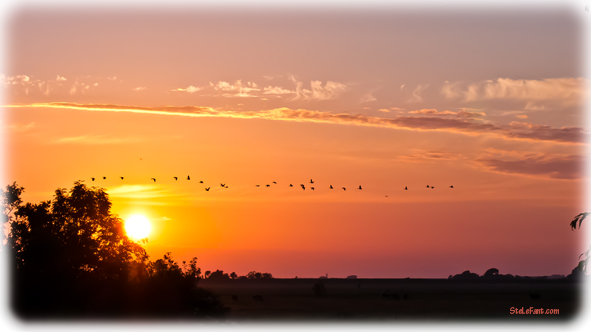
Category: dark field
<point>396,299</point>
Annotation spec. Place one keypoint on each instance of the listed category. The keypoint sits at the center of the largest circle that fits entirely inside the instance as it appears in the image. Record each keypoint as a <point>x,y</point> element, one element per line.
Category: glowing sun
<point>137,227</point>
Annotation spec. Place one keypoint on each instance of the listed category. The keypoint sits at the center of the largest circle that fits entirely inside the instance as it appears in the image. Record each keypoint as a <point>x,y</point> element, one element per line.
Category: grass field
<point>396,299</point>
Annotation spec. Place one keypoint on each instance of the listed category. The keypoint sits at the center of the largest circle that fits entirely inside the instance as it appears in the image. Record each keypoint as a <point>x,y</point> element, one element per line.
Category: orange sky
<point>491,104</point>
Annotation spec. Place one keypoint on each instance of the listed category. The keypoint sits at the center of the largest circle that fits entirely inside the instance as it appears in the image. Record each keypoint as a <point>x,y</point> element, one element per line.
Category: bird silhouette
<point>274,182</point>
<point>104,177</point>
<point>291,185</point>
<point>311,181</point>
<point>345,189</point>
<point>200,181</point>
<point>331,186</point>
<point>121,178</point>
<point>312,188</point>
<point>257,185</point>
<point>451,187</point>
<point>226,187</point>
<point>207,189</point>
<point>153,179</point>
<point>92,179</point>
<point>386,195</point>
<point>176,178</point>
<point>428,186</point>
<point>359,187</point>
<point>303,187</point>
<point>432,187</point>
<point>405,188</point>
<point>222,184</point>
<point>268,185</point>
<point>188,177</point>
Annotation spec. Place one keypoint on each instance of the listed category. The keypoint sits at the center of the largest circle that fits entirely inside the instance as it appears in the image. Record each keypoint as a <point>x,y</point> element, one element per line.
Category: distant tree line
<point>219,275</point>
<point>70,257</point>
<point>493,274</point>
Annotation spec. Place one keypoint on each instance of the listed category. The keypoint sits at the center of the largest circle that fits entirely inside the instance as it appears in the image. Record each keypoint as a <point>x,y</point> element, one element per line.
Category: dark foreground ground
<point>385,300</point>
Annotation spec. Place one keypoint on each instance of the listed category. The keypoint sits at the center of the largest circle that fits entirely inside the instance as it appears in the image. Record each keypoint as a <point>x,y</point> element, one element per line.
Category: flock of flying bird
<point>223,185</point>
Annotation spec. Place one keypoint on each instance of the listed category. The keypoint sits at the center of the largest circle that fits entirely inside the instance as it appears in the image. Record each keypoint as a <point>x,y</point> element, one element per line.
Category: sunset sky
<point>491,102</point>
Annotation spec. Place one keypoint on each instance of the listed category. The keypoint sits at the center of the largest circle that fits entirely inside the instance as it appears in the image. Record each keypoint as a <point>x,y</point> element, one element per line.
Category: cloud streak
<point>95,140</point>
<point>563,167</point>
<point>137,192</point>
<point>515,130</point>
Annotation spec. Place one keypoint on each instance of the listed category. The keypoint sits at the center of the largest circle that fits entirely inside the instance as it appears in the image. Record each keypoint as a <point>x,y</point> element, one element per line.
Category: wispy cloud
<point>555,167</point>
<point>431,111</point>
<point>330,90</point>
<point>420,156</point>
<point>14,80</point>
<point>138,191</point>
<point>416,94</point>
<point>569,91</point>
<point>515,130</point>
<point>368,97</point>
<point>139,88</point>
<point>238,89</point>
<point>95,140</point>
<point>79,87</point>
<point>276,90</point>
<point>189,89</point>
<point>461,113</point>
<point>20,127</point>
<point>59,85</point>
<point>531,106</point>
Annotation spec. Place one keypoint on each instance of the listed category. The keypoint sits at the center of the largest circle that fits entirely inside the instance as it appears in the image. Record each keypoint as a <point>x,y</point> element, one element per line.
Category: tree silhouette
<point>218,275</point>
<point>258,275</point>
<point>74,233</point>
<point>233,275</point>
<point>578,218</point>
<point>573,224</point>
<point>71,257</point>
